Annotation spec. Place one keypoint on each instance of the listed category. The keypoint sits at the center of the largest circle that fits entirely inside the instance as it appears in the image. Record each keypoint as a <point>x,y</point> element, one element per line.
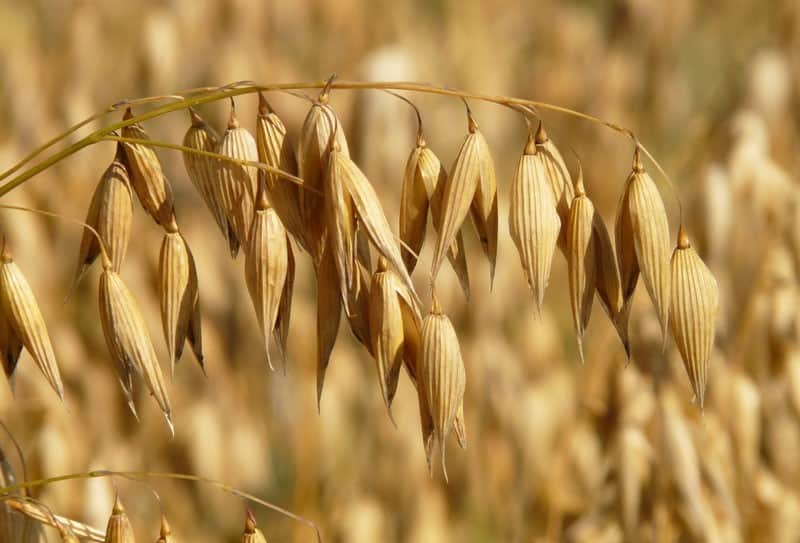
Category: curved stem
<point>96,474</point>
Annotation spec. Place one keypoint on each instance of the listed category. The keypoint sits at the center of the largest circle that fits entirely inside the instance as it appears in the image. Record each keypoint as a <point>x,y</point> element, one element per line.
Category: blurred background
<point>557,451</point>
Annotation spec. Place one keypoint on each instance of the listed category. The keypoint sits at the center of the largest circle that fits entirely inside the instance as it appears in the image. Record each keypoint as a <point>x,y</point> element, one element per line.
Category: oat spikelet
<point>119,529</point>
<point>533,220</point>
<point>581,260</point>
<point>341,223</point>
<point>129,341</point>
<point>472,171</point>
<point>413,207</point>
<point>21,310</point>
<point>10,349</point>
<point>607,281</point>
<point>110,214</point>
<point>371,216</point>
<point>357,298</point>
<point>179,295</point>
<point>443,374</point>
<point>642,233</point>
<point>266,267</point>
<point>68,528</point>
<point>693,312</point>
<point>236,183</point>
<point>147,177</point>
<point>274,150</point>
<point>558,177</point>
<point>251,532</point>
<point>386,327</point>
<point>281,332</point>
<point>203,170</point>
<point>312,155</point>
<point>329,310</point>
<point>14,525</point>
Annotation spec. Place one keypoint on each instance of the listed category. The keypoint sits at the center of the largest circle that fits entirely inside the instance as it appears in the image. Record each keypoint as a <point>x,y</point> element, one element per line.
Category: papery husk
<point>266,268</point>
<point>387,331</point>
<point>21,310</point>
<point>281,332</point>
<point>473,171</point>
<point>329,309</point>
<point>275,151</point>
<point>129,342</point>
<point>179,296</point>
<point>557,175</point>
<point>110,214</point>
<point>642,233</point>
<point>69,529</point>
<point>236,183</point>
<point>119,529</point>
<point>608,283</point>
<point>312,156</point>
<point>581,261</point>
<point>203,171</point>
<point>10,349</point>
<point>533,220</point>
<point>413,208</point>
<point>146,174</point>
<point>442,372</point>
<point>340,224</point>
<point>14,525</point>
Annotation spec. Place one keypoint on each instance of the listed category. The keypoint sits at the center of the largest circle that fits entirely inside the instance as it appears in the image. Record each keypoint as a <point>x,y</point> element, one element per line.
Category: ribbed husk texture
<point>26,324</point>
<point>129,341</point>
<point>581,262</point>
<point>442,375</point>
<point>110,214</point>
<point>180,298</point>
<point>147,175</point>
<point>693,312</point>
<point>557,175</point>
<point>533,220</point>
<point>119,529</point>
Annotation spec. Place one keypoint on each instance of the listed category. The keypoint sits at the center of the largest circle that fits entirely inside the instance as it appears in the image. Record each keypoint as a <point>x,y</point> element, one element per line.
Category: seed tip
<point>683,238</point>
<point>118,508</point>
<point>233,122</point>
<point>638,167</point>
<point>197,120</point>
<point>249,523</point>
<point>264,108</point>
<point>541,134</point>
<point>530,145</point>
<point>165,527</point>
<point>128,114</point>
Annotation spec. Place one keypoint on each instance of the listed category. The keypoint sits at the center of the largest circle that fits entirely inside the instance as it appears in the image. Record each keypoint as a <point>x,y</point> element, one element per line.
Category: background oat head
<point>557,451</point>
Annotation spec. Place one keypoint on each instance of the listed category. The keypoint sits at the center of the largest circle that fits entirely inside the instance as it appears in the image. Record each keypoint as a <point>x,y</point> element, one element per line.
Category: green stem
<point>159,475</point>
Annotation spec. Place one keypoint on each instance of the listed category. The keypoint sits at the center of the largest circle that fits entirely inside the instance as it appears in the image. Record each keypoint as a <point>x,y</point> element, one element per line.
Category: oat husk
<point>14,525</point>
<point>147,175</point>
<point>21,311</point>
<point>329,310</point>
<point>10,349</point>
<point>119,529</point>
<point>557,175</point>
<point>252,534</point>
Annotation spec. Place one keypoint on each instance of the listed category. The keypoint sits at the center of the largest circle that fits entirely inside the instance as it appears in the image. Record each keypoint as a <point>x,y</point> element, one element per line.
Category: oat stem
<point>96,474</point>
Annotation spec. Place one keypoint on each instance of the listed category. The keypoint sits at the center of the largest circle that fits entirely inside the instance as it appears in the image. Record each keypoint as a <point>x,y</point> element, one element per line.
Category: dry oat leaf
<point>557,176</point>
<point>386,327</point>
<point>110,214</point>
<point>275,151</point>
<point>179,296</point>
<point>581,260</point>
<point>533,220</point>
<point>642,233</point>
<point>313,145</point>
<point>165,532</point>
<point>371,216</point>
<point>607,282</point>
<point>693,312</point>
<point>251,532</point>
<point>21,310</point>
<point>266,267</point>
<point>443,374</point>
<point>129,341</point>
<point>329,311</point>
<point>236,183</point>
<point>10,349</point>
<point>147,176</point>
<point>472,171</point>
<point>203,170</point>
<point>119,529</point>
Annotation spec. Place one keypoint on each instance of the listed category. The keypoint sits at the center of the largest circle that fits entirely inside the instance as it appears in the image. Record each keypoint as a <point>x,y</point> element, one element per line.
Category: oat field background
<point>557,450</point>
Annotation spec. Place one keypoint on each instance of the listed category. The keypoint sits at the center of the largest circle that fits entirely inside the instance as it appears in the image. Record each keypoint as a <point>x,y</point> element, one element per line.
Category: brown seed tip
<point>249,523</point>
<point>472,123</point>
<point>580,190</point>
<point>128,114</point>
<point>530,145</point>
<point>5,256</point>
<point>638,167</point>
<point>541,134</point>
<point>436,309</point>
<point>197,120</point>
<point>118,508</point>
<point>683,238</point>
<point>382,264</point>
<point>264,108</point>
<point>233,122</point>
<point>165,527</point>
